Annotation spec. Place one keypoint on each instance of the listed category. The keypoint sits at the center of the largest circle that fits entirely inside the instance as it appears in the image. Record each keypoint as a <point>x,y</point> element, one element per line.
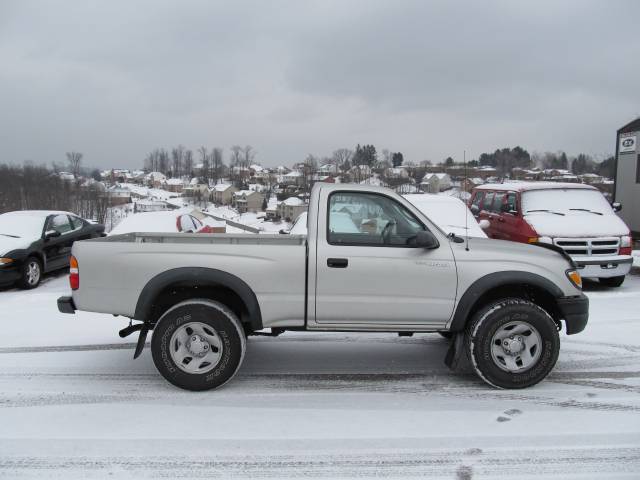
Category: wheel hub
<point>513,345</point>
<point>198,346</point>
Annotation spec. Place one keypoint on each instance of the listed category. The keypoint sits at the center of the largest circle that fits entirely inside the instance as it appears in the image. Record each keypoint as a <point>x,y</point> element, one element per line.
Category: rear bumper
<point>575,311</point>
<point>593,267</point>
<point>66,305</point>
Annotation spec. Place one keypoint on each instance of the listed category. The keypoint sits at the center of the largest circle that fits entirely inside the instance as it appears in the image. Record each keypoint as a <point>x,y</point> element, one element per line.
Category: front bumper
<point>66,305</point>
<point>606,267</point>
<point>575,312</point>
<point>9,275</point>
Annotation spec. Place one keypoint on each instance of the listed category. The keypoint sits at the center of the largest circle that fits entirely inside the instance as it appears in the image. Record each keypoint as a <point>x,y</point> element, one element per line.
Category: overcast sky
<point>114,79</point>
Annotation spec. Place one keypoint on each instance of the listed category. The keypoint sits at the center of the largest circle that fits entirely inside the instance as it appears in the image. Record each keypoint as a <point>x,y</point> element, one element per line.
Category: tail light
<point>74,273</point>
<point>625,245</point>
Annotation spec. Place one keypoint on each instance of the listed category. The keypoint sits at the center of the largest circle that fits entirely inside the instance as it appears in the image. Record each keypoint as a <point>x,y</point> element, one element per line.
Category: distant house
<point>155,179</point>
<point>290,208</point>
<point>435,182</point>
<point>118,196</point>
<point>396,172</point>
<point>469,184</point>
<point>292,178</point>
<point>590,178</point>
<point>173,185</point>
<point>222,193</point>
<point>248,201</point>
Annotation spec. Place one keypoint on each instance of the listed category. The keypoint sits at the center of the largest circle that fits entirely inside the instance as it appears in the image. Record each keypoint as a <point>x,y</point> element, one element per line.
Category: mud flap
<point>457,358</point>
<point>142,338</point>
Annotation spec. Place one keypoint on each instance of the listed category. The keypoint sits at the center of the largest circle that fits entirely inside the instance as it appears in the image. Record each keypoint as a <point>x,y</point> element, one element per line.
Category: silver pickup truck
<point>371,262</point>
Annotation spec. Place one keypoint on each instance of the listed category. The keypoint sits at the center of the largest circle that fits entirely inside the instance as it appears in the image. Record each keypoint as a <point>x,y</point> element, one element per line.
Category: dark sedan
<point>34,242</point>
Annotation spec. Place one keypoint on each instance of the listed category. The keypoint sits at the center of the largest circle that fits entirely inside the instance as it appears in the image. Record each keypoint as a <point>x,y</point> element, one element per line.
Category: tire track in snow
<point>507,463</point>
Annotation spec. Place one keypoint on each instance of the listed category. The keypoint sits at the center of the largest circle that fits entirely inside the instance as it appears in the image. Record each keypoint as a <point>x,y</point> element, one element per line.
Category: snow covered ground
<point>74,404</point>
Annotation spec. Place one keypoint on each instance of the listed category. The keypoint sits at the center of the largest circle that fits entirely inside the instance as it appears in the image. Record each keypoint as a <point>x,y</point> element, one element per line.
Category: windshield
<point>570,200</point>
<point>21,226</point>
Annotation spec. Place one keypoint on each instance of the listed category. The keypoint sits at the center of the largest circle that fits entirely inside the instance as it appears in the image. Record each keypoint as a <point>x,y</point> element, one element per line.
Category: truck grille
<point>589,246</point>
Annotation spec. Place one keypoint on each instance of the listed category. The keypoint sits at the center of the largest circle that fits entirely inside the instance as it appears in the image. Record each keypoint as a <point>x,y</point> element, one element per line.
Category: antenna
<point>466,213</point>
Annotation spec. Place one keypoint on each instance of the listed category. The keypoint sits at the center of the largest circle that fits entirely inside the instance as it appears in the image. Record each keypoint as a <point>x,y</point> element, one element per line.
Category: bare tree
<point>217,163</point>
<point>188,162</point>
<point>235,161</point>
<point>177,155</point>
<point>342,158</point>
<point>204,159</point>
<point>74,159</point>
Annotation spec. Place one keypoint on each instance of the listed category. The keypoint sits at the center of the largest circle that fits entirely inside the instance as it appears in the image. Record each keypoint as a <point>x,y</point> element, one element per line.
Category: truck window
<point>477,200</point>
<point>369,219</point>
<point>497,202</point>
<point>487,201</point>
<point>511,202</point>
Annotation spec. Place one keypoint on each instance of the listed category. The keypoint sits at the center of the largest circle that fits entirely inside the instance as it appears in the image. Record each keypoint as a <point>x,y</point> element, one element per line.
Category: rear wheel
<point>612,281</point>
<point>198,344</point>
<point>31,273</point>
<point>513,343</point>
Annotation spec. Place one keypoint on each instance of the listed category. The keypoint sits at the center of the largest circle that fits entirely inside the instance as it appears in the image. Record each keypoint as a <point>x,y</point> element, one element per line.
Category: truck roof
<point>524,186</point>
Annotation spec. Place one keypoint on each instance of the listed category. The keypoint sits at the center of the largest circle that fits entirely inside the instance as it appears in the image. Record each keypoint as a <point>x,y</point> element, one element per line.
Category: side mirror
<point>51,234</point>
<point>283,232</point>
<point>425,239</point>
<point>617,206</point>
<point>475,210</point>
<point>484,224</point>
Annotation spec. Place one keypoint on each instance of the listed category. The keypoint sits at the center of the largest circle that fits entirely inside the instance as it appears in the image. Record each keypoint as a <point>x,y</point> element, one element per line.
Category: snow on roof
<point>37,213</point>
<point>221,187</point>
<point>293,201</point>
<point>522,186</point>
<point>175,181</point>
<point>439,176</point>
<point>294,173</point>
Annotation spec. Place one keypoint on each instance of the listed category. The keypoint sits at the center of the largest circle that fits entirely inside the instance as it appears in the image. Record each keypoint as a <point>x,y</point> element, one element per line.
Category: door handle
<point>337,262</point>
<point>500,219</point>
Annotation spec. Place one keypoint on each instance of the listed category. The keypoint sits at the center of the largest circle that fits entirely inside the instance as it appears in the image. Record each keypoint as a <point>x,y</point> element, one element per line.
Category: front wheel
<point>513,343</point>
<point>31,273</point>
<point>198,344</point>
<point>612,281</point>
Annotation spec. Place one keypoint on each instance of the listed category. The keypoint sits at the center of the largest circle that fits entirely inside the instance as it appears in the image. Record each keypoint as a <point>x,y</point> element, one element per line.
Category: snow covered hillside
<point>74,402</point>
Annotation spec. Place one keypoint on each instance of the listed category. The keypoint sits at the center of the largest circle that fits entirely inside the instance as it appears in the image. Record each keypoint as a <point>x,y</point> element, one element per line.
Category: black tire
<point>489,321</point>
<point>447,335</point>
<point>612,281</point>
<point>218,319</point>
<point>27,280</point>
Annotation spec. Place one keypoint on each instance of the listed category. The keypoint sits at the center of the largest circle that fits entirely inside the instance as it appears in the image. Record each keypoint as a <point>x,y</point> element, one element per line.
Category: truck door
<point>367,272</point>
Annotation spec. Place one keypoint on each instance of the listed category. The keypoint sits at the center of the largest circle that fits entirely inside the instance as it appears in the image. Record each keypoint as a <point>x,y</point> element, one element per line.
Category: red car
<point>573,216</point>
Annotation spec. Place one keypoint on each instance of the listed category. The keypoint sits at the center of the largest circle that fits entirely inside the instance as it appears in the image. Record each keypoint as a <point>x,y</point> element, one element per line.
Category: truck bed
<point>115,269</point>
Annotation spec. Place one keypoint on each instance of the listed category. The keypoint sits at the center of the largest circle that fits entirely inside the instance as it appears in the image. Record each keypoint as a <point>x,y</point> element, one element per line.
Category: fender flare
<point>198,276</point>
<point>491,281</point>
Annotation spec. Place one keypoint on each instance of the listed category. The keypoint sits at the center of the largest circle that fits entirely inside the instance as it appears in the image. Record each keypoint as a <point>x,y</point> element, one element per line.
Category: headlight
<point>5,261</point>
<point>545,240</point>
<point>625,241</point>
<point>575,278</point>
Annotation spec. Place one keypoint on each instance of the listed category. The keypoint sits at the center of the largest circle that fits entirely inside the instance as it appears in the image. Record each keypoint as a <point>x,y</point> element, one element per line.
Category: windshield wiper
<point>585,210</point>
<point>7,235</point>
<point>545,210</point>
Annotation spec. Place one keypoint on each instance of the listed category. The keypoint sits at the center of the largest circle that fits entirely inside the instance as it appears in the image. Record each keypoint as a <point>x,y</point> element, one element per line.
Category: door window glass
<point>488,201</point>
<point>76,223</point>
<point>369,219</point>
<point>497,202</point>
<point>511,202</point>
<point>477,200</point>
<point>60,223</point>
